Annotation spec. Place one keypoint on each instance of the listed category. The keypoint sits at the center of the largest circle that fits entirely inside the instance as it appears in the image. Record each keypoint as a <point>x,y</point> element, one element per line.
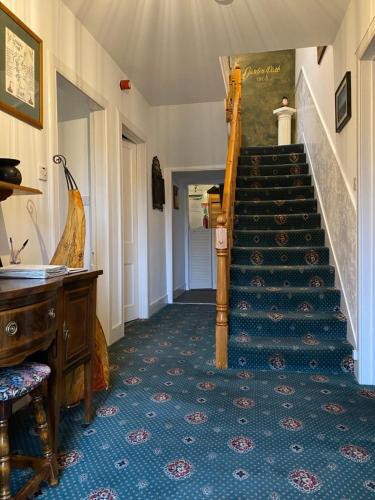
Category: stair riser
<point>286,317</point>
<point>291,193</point>
<point>273,159</point>
<point>269,170</point>
<point>325,329</point>
<point>324,301</point>
<point>273,150</point>
<point>281,256</point>
<point>280,278</point>
<point>267,208</point>
<point>277,181</point>
<point>280,238</point>
<point>305,361</point>
<point>270,222</point>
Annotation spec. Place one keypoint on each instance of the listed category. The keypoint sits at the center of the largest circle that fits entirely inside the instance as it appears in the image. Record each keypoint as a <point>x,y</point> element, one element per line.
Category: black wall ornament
<point>158,192</point>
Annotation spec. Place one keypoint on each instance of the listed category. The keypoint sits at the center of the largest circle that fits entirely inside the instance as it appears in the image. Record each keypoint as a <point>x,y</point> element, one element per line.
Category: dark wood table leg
<point>88,391</point>
<point>54,405</point>
<point>5,413</point>
<point>45,436</point>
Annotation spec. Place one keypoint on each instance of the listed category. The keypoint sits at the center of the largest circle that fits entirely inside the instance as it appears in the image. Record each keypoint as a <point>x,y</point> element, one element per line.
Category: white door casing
<point>366,206</point>
<point>129,231</point>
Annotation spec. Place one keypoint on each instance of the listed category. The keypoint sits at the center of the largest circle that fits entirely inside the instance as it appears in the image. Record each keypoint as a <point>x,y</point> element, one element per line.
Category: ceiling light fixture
<point>224,2</point>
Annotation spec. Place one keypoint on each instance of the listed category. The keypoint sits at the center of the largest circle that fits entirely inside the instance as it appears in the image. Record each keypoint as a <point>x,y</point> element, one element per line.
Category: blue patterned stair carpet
<point>284,310</point>
<point>172,426</point>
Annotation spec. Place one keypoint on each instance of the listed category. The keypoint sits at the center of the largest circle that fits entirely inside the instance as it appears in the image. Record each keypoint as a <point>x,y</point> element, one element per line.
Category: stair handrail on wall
<point>224,230</point>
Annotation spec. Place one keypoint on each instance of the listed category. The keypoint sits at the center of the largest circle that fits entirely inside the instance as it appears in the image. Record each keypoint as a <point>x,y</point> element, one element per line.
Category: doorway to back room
<point>75,115</point>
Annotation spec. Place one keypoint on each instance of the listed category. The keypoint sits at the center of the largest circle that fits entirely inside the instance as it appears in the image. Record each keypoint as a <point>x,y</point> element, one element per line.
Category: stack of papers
<point>32,271</point>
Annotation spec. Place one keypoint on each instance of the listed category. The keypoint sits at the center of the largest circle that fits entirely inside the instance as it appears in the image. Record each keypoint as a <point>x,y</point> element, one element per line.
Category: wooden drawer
<point>26,329</point>
<point>77,333</point>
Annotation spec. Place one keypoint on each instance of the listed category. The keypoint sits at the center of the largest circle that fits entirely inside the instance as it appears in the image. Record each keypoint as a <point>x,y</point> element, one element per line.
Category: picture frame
<point>176,200</point>
<point>343,102</point>
<point>158,190</point>
<point>320,53</point>
<point>21,62</point>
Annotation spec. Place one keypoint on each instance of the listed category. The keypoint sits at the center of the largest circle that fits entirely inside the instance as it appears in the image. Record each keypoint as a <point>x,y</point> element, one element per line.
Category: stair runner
<point>284,309</point>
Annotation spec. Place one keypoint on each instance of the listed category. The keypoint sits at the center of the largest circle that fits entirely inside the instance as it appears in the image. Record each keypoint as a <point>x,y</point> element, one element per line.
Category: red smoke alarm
<point>125,84</point>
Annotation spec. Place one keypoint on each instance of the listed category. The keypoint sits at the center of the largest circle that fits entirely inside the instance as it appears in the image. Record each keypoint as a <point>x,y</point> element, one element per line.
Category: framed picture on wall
<point>158,192</point>
<point>21,64</point>
<point>343,102</point>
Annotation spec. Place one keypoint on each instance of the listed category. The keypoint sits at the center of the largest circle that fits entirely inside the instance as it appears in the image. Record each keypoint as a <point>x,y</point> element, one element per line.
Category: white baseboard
<point>338,279</point>
<point>178,291</point>
<point>116,334</point>
<point>158,304</point>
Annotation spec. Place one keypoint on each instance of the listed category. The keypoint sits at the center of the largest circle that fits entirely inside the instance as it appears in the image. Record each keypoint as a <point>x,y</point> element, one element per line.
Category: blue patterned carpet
<point>284,308</point>
<point>172,426</point>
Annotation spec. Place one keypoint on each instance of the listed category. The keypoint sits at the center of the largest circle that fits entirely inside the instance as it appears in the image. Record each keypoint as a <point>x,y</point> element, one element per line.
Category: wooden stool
<point>16,382</point>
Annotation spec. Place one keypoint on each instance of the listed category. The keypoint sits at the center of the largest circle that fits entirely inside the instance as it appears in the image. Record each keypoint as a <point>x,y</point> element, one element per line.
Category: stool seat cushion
<point>16,381</point>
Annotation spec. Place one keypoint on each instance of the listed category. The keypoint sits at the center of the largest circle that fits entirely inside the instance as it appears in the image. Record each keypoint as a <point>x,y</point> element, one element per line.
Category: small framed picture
<point>320,53</point>
<point>343,102</point>
<point>21,67</point>
<point>176,201</point>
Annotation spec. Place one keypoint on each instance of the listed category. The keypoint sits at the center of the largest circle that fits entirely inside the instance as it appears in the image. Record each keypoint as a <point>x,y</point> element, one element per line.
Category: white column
<point>284,117</point>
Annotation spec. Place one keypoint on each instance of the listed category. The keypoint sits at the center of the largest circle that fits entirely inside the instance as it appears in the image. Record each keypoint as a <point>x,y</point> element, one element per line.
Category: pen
<point>11,249</point>
<point>20,250</point>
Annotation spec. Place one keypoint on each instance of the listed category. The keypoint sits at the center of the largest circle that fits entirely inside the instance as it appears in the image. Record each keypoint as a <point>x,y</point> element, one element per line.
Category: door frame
<point>137,137</point>
<point>167,173</point>
<point>365,367</point>
<point>98,183</point>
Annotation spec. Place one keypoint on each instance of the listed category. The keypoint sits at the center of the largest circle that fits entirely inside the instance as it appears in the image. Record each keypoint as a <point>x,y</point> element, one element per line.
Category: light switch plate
<point>42,173</point>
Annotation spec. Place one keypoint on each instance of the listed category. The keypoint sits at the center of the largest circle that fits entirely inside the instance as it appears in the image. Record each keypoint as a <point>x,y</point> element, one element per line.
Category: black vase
<point>9,172</point>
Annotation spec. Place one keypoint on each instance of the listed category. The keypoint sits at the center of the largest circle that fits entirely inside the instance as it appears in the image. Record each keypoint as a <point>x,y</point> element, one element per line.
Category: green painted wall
<point>266,78</point>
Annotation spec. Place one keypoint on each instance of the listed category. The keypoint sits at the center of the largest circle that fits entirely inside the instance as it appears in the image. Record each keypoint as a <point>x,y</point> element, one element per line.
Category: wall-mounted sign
<point>261,73</point>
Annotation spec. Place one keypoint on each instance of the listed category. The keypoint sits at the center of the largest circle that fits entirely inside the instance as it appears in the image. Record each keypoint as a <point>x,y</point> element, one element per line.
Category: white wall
<point>70,48</point>
<point>192,134</point>
<point>179,228</point>
<point>326,77</point>
<point>186,136</point>
<point>335,155</point>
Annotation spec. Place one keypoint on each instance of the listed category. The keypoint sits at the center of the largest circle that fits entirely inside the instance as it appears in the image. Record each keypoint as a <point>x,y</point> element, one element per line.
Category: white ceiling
<point>170,48</point>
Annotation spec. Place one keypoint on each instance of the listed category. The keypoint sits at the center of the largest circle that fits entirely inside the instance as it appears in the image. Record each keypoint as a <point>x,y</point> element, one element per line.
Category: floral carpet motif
<point>172,426</point>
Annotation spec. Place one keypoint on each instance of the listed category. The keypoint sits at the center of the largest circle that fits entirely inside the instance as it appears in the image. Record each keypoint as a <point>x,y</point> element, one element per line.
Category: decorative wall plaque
<point>158,192</point>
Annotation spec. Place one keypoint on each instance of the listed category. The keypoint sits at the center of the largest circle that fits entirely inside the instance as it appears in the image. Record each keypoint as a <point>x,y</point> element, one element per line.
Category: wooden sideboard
<point>55,316</point>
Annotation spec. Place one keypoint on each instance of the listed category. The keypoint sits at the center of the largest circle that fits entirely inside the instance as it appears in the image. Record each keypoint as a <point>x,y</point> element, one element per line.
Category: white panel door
<point>130,233</point>
<point>200,258</point>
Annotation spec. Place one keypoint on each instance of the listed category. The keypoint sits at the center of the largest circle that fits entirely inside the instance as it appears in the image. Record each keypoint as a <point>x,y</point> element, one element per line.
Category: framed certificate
<point>21,70</point>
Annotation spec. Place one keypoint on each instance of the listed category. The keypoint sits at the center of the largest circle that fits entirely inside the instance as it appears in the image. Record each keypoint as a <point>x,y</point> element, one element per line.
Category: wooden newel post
<point>222,293</point>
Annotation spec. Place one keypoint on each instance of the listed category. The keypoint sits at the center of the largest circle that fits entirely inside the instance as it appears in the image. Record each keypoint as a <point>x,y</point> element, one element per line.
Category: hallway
<point>173,426</point>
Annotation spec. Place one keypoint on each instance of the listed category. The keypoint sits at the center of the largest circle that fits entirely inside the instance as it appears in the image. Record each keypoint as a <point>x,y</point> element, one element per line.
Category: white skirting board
<point>178,291</point>
<point>158,304</point>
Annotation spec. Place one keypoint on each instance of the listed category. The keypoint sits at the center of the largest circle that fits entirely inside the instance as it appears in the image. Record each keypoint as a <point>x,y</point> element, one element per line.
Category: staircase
<point>284,311</point>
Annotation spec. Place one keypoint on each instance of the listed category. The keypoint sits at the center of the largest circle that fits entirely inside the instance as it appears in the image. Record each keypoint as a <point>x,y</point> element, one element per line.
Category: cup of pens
<point>15,253</point>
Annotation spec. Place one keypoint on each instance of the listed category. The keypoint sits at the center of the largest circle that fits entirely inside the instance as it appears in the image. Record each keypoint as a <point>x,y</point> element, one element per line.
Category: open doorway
<point>75,110</point>
<point>195,206</point>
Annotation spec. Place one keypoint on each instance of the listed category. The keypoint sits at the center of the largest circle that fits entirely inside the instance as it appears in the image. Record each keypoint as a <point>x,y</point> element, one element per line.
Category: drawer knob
<point>11,328</point>
<point>52,313</point>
